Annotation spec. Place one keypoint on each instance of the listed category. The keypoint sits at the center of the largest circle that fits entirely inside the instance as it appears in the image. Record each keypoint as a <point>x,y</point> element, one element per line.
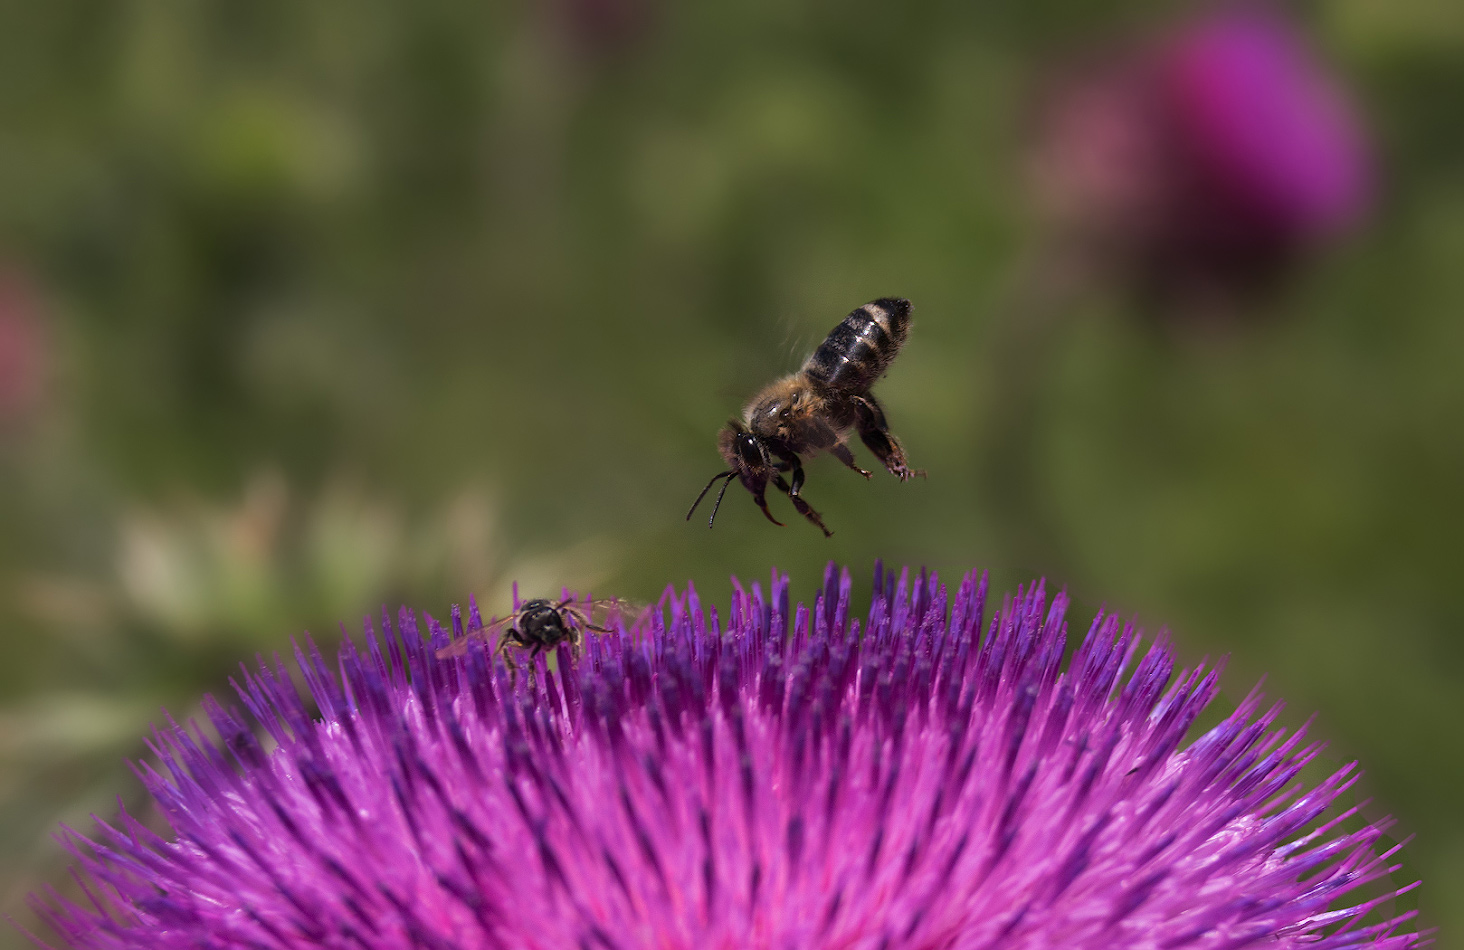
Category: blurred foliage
<point>314,275</point>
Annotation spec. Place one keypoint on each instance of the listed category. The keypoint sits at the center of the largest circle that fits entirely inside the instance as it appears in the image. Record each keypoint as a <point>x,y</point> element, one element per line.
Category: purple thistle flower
<point>901,783</point>
<point>1205,160</point>
<point>1265,125</point>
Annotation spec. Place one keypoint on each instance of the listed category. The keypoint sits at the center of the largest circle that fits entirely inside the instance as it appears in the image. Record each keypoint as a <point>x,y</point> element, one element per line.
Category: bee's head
<point>745,454</point>
<point>747,460</point>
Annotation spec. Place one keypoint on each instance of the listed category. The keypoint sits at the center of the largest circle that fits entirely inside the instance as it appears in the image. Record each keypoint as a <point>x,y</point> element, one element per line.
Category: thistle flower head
<point>1265,124</point>
<point>771,777</point>
<point>1205,159</point>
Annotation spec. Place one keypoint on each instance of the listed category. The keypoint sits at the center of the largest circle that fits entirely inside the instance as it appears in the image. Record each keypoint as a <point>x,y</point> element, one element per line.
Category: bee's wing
<point>482,635</point>
<point>598,612</point>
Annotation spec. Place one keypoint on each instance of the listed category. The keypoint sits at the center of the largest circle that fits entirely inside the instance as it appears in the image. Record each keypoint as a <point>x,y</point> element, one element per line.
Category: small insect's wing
<point>484,635</point>
<point>600,612</point>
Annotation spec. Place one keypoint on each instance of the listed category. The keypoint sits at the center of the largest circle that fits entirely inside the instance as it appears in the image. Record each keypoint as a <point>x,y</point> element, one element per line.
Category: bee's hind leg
<point>803,507</point>
<point>875,433</point>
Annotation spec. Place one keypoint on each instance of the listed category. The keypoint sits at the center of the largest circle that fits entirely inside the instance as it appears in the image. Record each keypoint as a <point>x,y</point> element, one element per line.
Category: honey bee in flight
<point>541,625</point>
<point>815,409</point>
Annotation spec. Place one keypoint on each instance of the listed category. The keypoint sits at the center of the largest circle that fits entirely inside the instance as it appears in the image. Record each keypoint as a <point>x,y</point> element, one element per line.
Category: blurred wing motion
<point>596,614</point>
<point>484,635</point>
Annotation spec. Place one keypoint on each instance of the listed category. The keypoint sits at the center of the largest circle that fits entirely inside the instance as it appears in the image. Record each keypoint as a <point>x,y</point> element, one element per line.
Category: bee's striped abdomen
<point>861,348</point>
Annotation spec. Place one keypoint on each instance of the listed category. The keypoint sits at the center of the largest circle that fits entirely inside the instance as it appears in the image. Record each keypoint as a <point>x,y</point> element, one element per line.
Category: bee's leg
<point>762,502</point>
<point>508,661</point>
<point>534,666</point>
<point>789,461</point>
<point>507,641</point>
<point>794,464</point>
<point>797,487</point>
<point>876,434</point>
<point>803,507</point>
<point>574,610</point>
<point>842,453</point>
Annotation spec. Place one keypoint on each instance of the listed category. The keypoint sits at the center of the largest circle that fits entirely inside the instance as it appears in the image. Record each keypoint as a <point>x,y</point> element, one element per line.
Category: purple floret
<point>775,778</point>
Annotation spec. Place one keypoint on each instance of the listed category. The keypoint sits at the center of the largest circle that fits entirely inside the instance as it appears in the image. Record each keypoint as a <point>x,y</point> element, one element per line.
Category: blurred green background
<point>334,304</point>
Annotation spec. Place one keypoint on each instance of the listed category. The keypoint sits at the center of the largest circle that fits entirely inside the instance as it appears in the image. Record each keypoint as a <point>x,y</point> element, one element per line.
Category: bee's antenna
<point>713,518</point>
<point>727,475</point>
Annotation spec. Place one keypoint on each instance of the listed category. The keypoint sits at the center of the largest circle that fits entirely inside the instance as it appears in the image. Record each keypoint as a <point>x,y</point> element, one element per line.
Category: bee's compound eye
<point>748,451</point>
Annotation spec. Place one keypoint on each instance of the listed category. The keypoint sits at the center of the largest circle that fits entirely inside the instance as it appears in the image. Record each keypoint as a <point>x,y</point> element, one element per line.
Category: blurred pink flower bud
<point>1205,158</point>
<point>23,347</point>
<point>606,29</point>
<point>1264,124</point>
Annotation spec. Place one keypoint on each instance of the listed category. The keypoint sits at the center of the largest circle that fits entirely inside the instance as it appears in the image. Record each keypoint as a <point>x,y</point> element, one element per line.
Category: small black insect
<point>541,625</point>
<point>815,409</point>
